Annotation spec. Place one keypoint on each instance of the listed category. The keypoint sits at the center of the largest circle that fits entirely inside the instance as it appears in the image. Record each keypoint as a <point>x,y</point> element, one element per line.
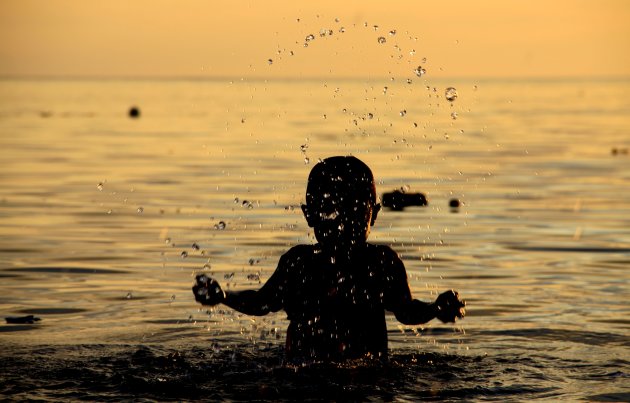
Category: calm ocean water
<point>105,219</point>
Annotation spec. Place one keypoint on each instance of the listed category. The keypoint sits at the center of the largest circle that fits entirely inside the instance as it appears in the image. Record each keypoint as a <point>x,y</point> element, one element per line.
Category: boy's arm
<point>447,307</point>
<point>269,298</point>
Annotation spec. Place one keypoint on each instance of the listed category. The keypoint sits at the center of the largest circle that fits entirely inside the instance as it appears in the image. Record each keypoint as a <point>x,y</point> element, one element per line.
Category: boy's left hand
<point>449,306</point>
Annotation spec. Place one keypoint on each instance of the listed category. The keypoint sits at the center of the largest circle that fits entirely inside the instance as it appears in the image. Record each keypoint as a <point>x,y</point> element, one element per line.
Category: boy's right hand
<point>207,290</point>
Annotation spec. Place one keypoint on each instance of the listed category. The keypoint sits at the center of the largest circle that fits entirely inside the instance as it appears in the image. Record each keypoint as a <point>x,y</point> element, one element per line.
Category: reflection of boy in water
<point>336,292</point>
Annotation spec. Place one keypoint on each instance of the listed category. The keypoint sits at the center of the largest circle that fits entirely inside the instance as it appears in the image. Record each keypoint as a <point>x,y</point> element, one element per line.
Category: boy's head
<point>341,201</point>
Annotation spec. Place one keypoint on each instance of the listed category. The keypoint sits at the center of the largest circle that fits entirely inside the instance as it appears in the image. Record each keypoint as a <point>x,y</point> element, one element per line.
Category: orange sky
<point>484,38</point>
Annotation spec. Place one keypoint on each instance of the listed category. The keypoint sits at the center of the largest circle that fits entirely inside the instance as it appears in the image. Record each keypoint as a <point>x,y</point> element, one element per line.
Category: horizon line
<point>174,77</point>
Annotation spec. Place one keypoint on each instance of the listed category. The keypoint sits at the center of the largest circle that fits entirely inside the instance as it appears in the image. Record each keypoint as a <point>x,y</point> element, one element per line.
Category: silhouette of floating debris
<point>454,203</point>
<point>30,319</point>
<point>398,200</point>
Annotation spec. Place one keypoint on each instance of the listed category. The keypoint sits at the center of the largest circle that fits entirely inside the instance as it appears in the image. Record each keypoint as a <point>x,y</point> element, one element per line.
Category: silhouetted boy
<point>336,292</point>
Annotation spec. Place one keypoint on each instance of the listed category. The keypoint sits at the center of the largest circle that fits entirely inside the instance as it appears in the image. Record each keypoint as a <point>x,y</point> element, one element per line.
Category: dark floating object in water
<point>134,112</point>
<point>454,203</point>
<point>30,319</point>
<point>619,151</point>
<point>398,200</point>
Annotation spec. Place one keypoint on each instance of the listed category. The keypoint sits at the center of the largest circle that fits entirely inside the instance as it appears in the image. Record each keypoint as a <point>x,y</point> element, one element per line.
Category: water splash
<point>420,71</point>
<point>450,94</point>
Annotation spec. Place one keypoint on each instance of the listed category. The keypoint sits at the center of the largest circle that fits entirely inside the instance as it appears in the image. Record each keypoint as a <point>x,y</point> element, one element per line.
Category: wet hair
<point>341,177</point>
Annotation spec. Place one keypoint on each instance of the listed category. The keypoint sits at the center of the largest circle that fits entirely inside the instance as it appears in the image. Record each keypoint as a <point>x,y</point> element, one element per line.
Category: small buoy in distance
<point>398,200</point>
<point>454,203</point>
<point>134,112</point>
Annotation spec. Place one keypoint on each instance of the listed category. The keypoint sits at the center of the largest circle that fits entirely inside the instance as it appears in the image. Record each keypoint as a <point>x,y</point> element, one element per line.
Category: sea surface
<point>105,219</point>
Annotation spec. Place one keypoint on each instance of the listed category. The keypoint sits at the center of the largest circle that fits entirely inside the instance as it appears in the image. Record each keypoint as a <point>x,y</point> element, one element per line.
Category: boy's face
<point>341,214</point>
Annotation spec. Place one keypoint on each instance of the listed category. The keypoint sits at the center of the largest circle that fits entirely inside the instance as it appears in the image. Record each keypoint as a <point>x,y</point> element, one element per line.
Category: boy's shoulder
<point>382,250</point>
<point>299,252</point>
<point>304,251</point>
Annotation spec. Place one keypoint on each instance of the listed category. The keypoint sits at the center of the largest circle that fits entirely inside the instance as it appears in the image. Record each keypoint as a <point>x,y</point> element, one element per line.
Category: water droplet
<point>228,276</point>
<point>195,246</point>
<point>307,160</point>
<point>303,147</point>
<point>370,115</point>
<point>129,295</point>
<point>385,90</point>
<point>100,186</point>
<point>140,210</point>
<point>342,30</point>
<point>270,61</point>
<point>450,94</point>
<point>184,255</point>
<point>409,81</point>
<point>310,37</point>
<point>167,241</point>
<point>172,297</point>
<point>236,200</point>
<point>206,266</point>
<point>392,32</point>
<point>381,39</point>
<point>220,225</point>
<point>420,71</point>
<point>454,115</point>
<point>403,112</point>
